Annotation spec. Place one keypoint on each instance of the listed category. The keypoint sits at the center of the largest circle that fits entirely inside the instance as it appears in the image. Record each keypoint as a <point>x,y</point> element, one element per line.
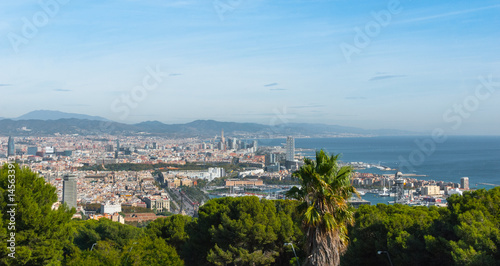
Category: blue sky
<point>257,61</point>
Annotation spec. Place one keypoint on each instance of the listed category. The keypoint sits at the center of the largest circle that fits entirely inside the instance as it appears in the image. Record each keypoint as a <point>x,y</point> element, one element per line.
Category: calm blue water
<point>375,199</point>
<point>475,157</point>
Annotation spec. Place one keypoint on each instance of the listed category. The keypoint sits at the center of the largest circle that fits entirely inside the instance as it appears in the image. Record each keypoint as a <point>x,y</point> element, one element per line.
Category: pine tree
<point>40,232</point>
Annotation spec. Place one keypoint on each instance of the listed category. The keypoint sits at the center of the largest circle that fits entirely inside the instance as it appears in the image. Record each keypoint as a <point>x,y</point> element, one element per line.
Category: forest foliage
<point>467,232</point>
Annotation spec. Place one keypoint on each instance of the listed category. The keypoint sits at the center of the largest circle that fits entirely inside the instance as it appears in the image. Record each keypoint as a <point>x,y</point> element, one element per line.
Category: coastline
<point>476,157</point>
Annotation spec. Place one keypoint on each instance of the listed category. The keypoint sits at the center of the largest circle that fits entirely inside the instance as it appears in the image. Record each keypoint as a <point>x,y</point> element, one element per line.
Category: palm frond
<point>325,210</point>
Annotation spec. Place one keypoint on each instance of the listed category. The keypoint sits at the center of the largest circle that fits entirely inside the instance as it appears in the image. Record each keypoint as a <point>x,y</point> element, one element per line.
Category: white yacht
<point>384,193</point>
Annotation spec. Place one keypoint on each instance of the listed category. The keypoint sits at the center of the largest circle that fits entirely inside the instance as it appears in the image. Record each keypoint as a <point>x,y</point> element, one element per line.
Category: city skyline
<point>388,64</point>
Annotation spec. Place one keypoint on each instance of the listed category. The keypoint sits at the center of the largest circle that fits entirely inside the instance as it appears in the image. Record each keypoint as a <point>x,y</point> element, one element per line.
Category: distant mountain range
<point>52,122</point>
<point>56,115</point>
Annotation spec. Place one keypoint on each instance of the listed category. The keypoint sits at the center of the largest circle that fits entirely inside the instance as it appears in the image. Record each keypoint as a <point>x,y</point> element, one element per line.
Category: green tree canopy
<point>104,252</point>
<point>41,233</point>
<point>171,229</point>
<point>476,224</point>
<point>465,233</point>
<point>90,231</point>
<point>150,250</point>
<point>241,231</point>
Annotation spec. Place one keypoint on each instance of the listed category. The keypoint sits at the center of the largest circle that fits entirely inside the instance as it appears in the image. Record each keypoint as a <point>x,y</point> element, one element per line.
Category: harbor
<point>396,193</point>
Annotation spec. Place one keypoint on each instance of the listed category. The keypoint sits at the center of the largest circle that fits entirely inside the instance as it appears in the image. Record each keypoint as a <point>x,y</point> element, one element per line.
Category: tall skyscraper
<point>11,149</point>
<point>69,190</point>
<point>464,183</point>
<point>290,149</point>
<point>222,144</point>
<point>117,148</point>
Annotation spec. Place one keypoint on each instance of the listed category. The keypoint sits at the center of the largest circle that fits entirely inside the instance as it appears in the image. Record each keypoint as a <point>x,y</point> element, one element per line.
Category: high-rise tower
<point>222,144</point>
<point>464,183</point>
<point>290,149</point>
<point>69,190</point>
<point>11,149</point>
<point>117,148</point>
<point>399,183</point>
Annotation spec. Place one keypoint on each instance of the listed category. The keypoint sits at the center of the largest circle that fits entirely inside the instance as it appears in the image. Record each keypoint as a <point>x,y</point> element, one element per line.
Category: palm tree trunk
<point>320,249</point>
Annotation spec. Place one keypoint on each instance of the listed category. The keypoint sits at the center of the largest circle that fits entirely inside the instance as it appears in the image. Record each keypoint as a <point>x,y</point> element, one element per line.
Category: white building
<point>251,172</point>
<point>210,174</point>
<point>49,150</point>
<point>216,172</point>
<point>110,208</point>
<point>454,191</point>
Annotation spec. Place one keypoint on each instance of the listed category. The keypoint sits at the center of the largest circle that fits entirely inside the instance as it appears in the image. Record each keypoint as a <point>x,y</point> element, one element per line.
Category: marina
<point>370,197</point>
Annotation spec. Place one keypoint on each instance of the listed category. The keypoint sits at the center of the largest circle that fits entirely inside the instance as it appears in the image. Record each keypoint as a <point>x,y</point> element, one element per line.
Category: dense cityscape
<point>250,133</point>
<point>134,184</point>
<point>266,172</point>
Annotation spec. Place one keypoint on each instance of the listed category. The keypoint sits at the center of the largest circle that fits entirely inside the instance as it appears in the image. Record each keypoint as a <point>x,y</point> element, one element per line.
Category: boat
<point>384,193</point>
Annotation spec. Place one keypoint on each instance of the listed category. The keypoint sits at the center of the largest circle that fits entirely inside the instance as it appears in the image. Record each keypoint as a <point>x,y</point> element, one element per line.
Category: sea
<point>475,157</point>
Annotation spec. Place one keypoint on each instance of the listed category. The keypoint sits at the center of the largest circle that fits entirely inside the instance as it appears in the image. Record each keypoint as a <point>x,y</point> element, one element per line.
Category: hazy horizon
<point>407,65</point>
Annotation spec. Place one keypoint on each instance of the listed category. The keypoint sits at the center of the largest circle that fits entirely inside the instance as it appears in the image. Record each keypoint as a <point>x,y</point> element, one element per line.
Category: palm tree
<point>325,211</point>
